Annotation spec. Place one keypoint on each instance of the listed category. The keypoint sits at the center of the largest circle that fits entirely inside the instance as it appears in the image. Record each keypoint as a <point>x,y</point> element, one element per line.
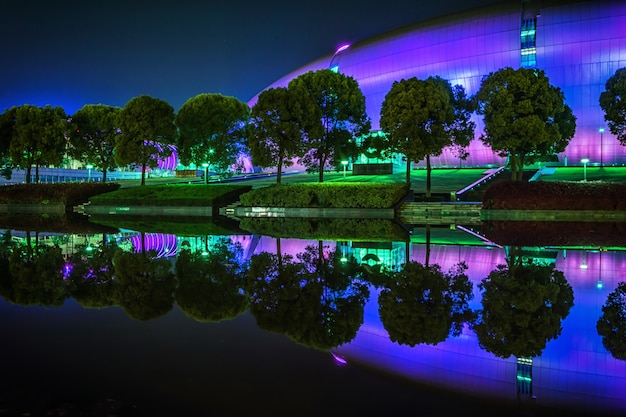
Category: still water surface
<point>175,348</point>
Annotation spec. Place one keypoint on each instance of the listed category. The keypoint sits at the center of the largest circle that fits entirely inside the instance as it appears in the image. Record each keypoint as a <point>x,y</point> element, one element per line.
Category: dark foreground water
<point>74,361</point>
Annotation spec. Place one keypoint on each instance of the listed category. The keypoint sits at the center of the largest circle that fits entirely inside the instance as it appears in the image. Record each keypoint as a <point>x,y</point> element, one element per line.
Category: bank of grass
<point>196,195</point>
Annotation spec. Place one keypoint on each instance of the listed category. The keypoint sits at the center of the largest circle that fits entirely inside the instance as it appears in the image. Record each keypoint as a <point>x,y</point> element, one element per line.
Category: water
<point>77,360</point>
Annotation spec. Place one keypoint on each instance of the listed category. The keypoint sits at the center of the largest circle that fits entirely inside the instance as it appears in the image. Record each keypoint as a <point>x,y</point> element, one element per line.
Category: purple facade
<point>579,44</point>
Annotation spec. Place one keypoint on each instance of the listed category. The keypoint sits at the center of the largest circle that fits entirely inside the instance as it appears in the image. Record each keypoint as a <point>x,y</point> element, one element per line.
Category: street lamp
<point>345,164</point>
<point>206,172</point>
<point>335,67</point>
<point>585,161</point>
<point>89,167</point>
<point>601,159</point>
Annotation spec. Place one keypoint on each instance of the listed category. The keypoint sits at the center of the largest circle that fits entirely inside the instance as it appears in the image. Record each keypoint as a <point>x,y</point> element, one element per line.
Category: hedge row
<point>327,195</point>
<point>561,195</point>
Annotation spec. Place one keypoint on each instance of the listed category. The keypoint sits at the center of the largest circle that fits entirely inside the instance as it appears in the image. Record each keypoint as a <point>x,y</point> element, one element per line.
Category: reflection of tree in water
<point>145,284</point>
<point>422,304</point>
<point>91,274</point>
<point>316,301</point>
<point>612,323</point>
<point>523,306</point>
<point>211,284</point>
<point>32,274</point>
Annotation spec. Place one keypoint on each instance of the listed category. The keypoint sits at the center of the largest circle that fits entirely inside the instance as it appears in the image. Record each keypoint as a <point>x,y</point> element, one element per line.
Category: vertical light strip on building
<point>527,43</point>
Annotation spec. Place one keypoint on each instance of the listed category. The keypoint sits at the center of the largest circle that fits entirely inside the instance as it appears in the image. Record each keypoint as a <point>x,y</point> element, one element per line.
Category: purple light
<point>342,48</point>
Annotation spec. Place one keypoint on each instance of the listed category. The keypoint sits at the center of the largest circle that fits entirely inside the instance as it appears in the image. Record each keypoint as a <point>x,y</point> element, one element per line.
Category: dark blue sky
<point>74,52</point>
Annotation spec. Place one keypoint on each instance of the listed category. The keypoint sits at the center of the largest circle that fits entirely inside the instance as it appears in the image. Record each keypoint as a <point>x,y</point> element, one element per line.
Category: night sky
<point>73,52</point>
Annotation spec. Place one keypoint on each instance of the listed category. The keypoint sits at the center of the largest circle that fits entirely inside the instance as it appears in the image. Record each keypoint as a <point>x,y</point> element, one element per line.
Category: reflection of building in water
<point>573,371</point>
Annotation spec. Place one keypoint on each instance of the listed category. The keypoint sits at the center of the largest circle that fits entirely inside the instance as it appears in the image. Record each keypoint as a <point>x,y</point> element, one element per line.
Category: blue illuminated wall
<point>579,44</point>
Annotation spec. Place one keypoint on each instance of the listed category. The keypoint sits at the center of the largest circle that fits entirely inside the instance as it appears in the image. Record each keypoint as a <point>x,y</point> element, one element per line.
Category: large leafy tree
<point>7,120</point>
<point>37,137</point>
<point>93,134</point>
<point>613,102</point>
<point>419,118</point>
<point>525,117</point>
<point>275,130</point>
<point>338,118</point>
<point>147,126</point>
<point>211,129</point>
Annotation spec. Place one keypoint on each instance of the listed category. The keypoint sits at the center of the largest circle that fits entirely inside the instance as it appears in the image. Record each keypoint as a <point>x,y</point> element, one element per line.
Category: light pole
<point>335,68</point>
<point>601,147</point>
<point>89,167</point>
<point>206,172</point>
<point>345,164</point>
<point>585,161</point>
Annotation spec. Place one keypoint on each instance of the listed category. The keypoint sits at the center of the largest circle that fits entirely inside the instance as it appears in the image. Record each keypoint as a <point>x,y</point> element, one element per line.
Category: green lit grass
<point>607,174</point>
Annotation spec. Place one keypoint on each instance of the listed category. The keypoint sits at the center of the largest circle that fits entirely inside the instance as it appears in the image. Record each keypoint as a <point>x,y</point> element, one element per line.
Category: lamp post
<point>585,161</point>
<point>601,147</point>
<point>89,167</point>
<point>345,164</point>
<point>206,172</point>
<point>335,68</point>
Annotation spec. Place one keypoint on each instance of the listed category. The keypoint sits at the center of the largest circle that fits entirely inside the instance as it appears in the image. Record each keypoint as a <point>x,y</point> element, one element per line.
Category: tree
<point>211,130</point>
<point>38,137</point>
<point>93,135</point>
<point>147,124</point>
<point>420,118</point>
<point>339,116</point>
<point>525,117</point>
<point>613,102</point>
<point>275,133</point>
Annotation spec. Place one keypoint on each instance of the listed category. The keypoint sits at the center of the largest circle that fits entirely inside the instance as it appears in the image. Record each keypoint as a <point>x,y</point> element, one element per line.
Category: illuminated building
<point>579,45</point>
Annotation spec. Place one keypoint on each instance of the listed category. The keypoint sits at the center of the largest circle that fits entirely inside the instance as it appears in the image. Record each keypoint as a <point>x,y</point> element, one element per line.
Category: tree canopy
<point>211,129</point>
<point>147,126</point>
<point>525,117</point>
<point>338,118</point>
<point>37,137</point>
<point>93,134</point>
<point>613,102</point>
<point>275,132</point>
<point>420,118</point>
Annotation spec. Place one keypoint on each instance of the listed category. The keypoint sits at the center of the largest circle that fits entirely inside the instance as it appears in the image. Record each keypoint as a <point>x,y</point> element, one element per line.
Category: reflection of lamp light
<point>89,167</point>
<point>599,284</point>
<point>585,161</point>
<point>345,164</point>
<point>583,264</point>
<point>339,360</point>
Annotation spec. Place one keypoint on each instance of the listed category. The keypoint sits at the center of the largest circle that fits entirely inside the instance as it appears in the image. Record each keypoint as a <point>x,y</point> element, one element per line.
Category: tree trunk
<point>143,174</point>
<point>408,170</point>
<point>427,245</point>
<point>36,173</point>
<point>279,171</point>
<point>428,169</point>
<point>104,175</point>
<point>28,170</point>
<point>322,163</point>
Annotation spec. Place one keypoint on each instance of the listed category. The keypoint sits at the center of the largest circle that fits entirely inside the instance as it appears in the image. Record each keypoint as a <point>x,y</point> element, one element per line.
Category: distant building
<point>579,44</point>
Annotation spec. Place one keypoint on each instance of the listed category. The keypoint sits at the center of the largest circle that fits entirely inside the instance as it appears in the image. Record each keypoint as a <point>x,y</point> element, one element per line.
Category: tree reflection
<point>316,301</point>
<point>422,304</point>
<point>523,306</point>
<point>35,275</point>
<point>211,284</point>
<point>92,274</point>
<point>145,284</point>
<point>612,323</point>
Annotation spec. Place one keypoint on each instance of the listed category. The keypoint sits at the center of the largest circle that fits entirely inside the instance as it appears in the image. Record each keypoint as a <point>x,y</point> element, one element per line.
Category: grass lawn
<point>608,174</point>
